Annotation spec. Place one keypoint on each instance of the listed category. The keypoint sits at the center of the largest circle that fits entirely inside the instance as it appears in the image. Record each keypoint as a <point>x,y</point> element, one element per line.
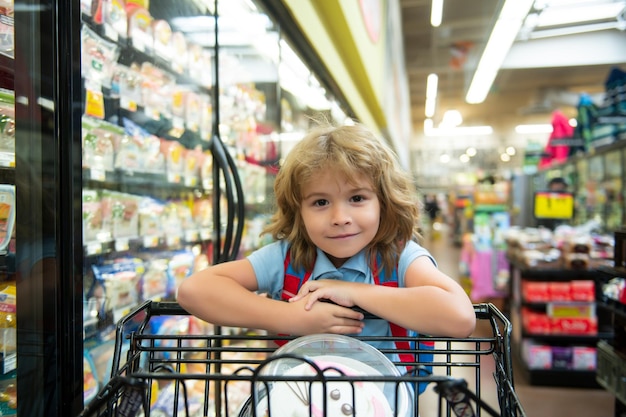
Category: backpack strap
<point>402,333</point>
<point>293,279</point>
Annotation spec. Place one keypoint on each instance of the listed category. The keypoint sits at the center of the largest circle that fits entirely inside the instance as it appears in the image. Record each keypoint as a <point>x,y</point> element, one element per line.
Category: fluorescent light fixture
<point>451,118</point>
<point>574,30</point>
<point>530,129</point>
<point>436,13</point>
<point>502,36</point>
<point>570,14</point>
<point>459,131</point>
<point>431,94</point>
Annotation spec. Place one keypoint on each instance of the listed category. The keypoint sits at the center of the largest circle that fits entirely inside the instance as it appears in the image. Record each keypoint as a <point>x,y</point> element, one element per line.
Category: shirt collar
<point>324,268</point>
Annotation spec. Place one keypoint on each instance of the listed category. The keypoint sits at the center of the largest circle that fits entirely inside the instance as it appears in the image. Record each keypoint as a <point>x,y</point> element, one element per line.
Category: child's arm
<point>431,303</point>
<point>224,295</point>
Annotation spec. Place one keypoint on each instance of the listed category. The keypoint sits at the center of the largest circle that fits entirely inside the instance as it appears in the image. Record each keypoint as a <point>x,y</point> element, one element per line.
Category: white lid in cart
<point>334,355</point>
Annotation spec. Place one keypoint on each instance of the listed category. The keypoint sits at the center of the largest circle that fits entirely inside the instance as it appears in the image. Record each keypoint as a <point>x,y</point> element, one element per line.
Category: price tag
<point>97,174</point>
<point>128,104</point>
<point>206,234</point>
<point>151,241</point>
<point>93,248</point>
<point>121,245</point>
<point>174,177</point>
<point>550,205</point>
<point>173,240</point>
<point>191,235</point>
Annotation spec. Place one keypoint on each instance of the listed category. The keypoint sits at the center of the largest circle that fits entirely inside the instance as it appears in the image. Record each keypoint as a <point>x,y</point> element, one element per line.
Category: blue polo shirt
<point>269,266</point>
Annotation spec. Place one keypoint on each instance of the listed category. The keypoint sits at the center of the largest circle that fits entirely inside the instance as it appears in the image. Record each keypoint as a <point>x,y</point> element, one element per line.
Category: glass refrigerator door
<point>8,308</point>
<point>152,212</point>
<point>40,55</point>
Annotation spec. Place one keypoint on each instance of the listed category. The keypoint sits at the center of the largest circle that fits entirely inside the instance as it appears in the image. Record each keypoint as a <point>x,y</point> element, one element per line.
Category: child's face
<point>341,218</point>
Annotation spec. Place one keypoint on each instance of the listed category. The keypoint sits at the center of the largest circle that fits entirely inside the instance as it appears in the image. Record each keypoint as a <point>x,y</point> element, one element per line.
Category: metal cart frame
<point>207,369</point>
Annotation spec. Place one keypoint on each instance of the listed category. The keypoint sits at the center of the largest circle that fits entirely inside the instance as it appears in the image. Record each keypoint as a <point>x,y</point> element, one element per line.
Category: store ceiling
<point>518,95</point>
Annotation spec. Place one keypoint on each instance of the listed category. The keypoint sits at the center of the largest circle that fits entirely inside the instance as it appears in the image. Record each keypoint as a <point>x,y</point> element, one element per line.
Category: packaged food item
<point>98,57</point>
<point>180,267</point>
<point>157,87</point>
<point>150,213</point>
<point>115,19</point>
<point>153,284</point>
<point>140,151</point>
<point>92,218</point>
<point>162,33</point>
<point>179,50</point>
<point>90,381</point>
<point>120,213</point>
<point>139,27</point>
<point>174,161</point>
<point>120,279</point>
<point>7,214</point>
<point>7,32</point>
<point>8,325</point>
<point>7,128</point>
<point>206,171</point>
<point>193,160</point>
<point>98,148</point>
<point>126,85</point>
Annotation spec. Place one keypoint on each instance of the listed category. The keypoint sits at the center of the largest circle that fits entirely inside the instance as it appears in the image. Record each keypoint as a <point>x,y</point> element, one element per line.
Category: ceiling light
<point>471,151</point>
<point>451,118</point>
<point>502,36</point>
<point>573,30</point>
<point>505,157</point>
<point>510,150</point>
<point>464,158</point>
<point>530,129</point>
<point>567,15</point>
<point>431,95</point>
<point>459,131</point>
<point>436,13</point>
<point>444,159</point>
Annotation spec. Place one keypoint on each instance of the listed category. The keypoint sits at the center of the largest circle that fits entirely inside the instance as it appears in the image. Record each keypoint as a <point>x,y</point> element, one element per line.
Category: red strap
<point>396,331</point>
<point>292,283</point>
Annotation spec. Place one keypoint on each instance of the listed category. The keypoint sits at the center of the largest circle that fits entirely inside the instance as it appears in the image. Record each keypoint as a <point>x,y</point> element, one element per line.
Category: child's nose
<point>341,215</point>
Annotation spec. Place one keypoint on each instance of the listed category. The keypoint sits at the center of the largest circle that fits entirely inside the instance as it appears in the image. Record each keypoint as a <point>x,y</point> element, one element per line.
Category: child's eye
<point>358,198</point>
<point>320,203</point>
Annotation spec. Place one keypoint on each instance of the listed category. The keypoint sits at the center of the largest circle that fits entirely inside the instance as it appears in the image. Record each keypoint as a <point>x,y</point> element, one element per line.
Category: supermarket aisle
<point>537,401</point>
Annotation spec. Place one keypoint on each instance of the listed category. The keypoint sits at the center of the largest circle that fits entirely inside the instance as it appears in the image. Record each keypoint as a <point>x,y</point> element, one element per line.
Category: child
<point>346,219</point>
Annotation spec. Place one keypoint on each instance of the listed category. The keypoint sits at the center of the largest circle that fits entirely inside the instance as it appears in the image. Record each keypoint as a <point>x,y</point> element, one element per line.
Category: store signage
<point>553,205</point>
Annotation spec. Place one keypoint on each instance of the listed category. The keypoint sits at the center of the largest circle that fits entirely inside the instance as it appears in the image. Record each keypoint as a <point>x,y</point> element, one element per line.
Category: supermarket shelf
<point>556,377</point>
<point>570,338</point>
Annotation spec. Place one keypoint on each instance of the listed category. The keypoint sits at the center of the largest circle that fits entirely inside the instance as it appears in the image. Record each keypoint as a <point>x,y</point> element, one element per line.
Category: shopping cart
<point>222,374</point>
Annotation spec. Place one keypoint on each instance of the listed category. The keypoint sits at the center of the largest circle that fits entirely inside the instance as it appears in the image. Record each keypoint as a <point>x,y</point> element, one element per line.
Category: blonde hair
<point>353,151</point>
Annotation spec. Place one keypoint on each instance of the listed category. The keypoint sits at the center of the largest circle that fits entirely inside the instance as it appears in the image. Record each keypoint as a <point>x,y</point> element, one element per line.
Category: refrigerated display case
<point>148,138</point>
<point>148,134</point>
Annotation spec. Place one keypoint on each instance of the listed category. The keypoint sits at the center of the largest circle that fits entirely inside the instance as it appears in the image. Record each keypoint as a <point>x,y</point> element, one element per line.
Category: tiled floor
<point>537,401</point>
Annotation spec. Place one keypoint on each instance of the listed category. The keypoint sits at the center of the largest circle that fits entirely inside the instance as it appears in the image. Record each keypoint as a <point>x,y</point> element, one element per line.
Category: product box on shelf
<point>584,358</point>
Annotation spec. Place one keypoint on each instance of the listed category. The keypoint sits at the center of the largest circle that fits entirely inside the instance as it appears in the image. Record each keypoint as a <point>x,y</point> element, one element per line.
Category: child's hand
<point>339,292</point>
<point>325,318</point>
